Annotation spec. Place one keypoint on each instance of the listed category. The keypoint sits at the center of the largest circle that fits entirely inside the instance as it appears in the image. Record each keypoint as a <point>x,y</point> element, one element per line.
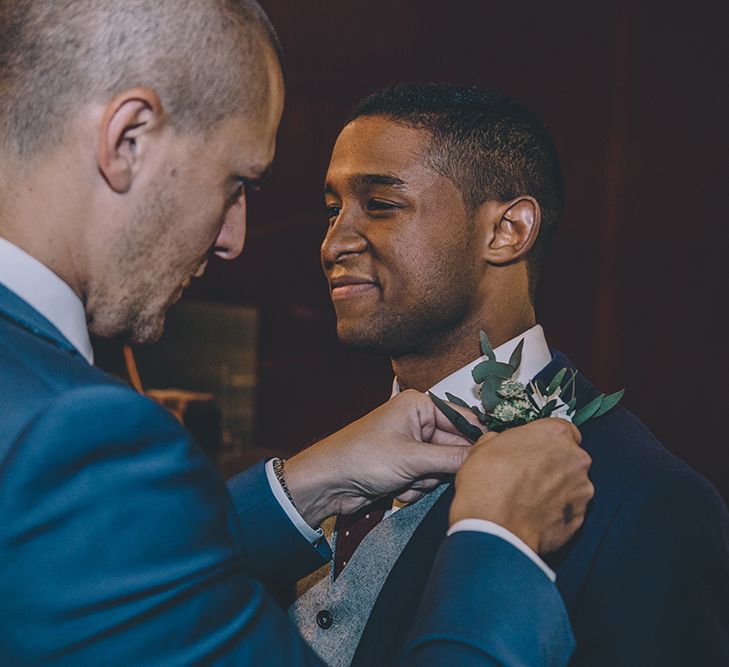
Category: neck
<point>460,346</point>
<point>39,215</point>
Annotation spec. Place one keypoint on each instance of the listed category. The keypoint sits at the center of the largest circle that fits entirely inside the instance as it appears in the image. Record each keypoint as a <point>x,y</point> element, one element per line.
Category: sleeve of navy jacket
<point>121,546</point>
<point>486,603</point>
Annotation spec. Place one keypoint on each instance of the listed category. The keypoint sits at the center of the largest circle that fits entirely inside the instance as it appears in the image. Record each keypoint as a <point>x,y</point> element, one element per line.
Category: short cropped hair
<point>201,56</point>
<point>488,145</point>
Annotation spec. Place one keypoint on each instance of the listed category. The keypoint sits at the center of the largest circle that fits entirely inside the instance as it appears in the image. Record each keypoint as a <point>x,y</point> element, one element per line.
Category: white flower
<point>505,412</point>
<point>561,409</point>
<point>511,389</point>
<point>524,406</point>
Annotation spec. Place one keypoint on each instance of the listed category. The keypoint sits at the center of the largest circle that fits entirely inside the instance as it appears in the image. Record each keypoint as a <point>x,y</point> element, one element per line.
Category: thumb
<point>490,435</point>
<point>438,459</point>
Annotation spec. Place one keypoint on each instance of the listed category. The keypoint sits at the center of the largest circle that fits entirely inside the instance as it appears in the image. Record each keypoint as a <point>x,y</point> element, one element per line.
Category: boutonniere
<point>505,402</point>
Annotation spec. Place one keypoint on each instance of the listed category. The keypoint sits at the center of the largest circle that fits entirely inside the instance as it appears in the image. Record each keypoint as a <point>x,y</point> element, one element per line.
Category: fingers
<point>570,427</point>
<point>444,438</point>
<point>432,459</point>
<point>426,419</point>
<point>418,489</point>
<point>409,497</point>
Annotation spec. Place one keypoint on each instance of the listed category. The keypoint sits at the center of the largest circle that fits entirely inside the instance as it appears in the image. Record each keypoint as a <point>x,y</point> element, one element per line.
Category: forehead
<point>374,145</point>
<point>248,140</point>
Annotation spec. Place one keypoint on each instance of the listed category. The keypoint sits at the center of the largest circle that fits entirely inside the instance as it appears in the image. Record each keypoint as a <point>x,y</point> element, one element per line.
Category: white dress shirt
<point>38,286</point>
<point>535,356</point>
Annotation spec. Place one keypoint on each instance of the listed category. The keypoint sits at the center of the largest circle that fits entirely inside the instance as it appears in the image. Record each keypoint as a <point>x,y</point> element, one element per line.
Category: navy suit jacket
<point>120,544</point>
<point>645,580</point>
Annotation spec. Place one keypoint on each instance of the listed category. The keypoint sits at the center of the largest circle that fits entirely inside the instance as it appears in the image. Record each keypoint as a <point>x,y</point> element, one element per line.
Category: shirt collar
<point>42,289</point>
<point>535,356</point>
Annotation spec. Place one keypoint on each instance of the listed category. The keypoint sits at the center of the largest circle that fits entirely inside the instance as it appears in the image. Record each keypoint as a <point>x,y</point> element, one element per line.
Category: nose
<point>343,240</point>
<point>232,235</point>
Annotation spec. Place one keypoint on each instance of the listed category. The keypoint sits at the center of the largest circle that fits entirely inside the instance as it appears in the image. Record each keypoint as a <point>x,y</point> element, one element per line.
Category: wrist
<point>460,513</point>
<point>278,471</point>
<point>310,488</point>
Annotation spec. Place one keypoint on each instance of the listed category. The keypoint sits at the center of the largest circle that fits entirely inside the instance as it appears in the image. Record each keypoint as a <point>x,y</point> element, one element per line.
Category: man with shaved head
<point>128,134</point>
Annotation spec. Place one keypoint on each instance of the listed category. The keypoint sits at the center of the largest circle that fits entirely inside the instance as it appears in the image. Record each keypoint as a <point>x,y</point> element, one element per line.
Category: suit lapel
<point>16,310</point>
<point>584,390</point>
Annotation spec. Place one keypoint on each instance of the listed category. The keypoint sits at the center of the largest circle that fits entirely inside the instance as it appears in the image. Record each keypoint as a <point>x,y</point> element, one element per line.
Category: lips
<point>200,269</point>
<point>196,274</point>
<point>345,287</point>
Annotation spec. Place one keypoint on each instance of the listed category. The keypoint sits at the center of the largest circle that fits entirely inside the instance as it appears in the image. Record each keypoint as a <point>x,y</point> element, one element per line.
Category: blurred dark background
<point>635,95</point>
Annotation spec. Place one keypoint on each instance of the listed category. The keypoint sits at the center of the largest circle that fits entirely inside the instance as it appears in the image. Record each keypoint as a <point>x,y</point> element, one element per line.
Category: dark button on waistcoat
<point>324,619</point>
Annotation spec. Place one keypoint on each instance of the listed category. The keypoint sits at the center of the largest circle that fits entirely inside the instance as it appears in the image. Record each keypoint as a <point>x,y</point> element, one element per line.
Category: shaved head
<point>202,57</point>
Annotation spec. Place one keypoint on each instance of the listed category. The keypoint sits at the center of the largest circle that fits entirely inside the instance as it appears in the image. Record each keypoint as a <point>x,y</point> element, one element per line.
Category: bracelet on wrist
<point>278,471</point>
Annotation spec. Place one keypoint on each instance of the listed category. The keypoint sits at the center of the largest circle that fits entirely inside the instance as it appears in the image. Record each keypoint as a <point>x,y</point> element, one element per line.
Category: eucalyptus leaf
<point>471,432</point>
<point>609,402</point>
<point>496,426</point>
<point>476,411</point>
<point>456,400</point>
<point>569,385</point>
<point>489,398</point>
<point>556,381</point>
<point>571,406</point>
<point>587,411</point>
<point>548,409</point>
<point>496,368</point>
<point>541,387</point>
<point>486,346</point>
<point>515,358</point>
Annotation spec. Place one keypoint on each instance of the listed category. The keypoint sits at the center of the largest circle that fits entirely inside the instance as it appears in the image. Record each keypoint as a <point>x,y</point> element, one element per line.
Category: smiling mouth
<point>346,288</point>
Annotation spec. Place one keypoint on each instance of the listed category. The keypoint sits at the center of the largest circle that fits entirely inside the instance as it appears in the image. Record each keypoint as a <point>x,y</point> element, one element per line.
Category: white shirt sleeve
<point>311,535</point>
<point>483,526</point>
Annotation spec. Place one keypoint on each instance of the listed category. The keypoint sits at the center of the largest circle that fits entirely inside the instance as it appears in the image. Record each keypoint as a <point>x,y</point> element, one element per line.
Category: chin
<point>360,337</point>
<point>143,327</point>
<point>149,332</point>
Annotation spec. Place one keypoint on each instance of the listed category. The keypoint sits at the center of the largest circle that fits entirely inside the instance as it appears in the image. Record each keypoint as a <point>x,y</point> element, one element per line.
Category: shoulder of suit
<point>94,422</point>
<point>107,406</point>
<point>630,463</point>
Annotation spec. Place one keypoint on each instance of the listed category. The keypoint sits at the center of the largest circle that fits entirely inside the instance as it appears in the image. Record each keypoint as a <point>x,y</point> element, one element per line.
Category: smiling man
<point>128,132</point>
<point>441,202</point>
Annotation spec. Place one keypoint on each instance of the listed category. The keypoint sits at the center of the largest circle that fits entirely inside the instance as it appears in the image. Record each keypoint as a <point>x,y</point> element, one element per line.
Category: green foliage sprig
<point>505,402</point>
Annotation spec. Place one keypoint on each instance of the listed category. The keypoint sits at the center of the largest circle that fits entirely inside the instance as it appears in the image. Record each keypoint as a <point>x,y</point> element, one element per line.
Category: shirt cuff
<point>483,526</point>
<point>312,536</point>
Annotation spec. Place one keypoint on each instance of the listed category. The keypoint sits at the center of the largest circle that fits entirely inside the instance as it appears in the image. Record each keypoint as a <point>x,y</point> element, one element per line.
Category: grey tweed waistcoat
<point>350,598</point>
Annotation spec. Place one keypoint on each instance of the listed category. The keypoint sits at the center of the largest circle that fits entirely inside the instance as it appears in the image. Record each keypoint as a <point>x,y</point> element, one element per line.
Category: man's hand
<point>386,452</point>
<point>532,480</point>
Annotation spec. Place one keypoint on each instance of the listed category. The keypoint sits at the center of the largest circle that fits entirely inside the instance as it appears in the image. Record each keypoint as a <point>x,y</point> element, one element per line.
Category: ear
<point>128,126</point>
<point>514,228</point>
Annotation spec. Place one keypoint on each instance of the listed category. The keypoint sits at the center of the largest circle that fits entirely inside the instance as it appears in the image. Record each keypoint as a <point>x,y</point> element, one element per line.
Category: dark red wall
<point>635,94</point>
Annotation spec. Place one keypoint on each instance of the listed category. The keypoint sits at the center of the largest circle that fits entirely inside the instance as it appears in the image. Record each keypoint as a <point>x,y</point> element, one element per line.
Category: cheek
<point>204,220</point>
<point>423,272</point>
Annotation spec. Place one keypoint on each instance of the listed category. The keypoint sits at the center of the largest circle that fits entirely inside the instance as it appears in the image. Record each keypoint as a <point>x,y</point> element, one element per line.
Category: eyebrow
<point>363,180</point>
<point>260,171</point>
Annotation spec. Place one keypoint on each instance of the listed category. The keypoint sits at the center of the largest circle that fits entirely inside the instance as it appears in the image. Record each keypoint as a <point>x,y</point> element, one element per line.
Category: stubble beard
<point>417,331</point>
<point>133,307</point>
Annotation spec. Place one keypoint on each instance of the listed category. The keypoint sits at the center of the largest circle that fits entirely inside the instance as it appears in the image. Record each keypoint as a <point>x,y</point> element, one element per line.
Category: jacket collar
<point>16,310</point>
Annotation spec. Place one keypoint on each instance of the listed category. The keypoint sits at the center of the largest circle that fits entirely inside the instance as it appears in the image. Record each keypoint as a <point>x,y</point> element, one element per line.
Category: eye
<point>332,211</point>
<point>242,185</point>
<point>378,205</point>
